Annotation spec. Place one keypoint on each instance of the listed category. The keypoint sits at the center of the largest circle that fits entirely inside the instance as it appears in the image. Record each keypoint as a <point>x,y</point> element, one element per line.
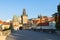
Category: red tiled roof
<point>6,23</point>
<point>1,21</point>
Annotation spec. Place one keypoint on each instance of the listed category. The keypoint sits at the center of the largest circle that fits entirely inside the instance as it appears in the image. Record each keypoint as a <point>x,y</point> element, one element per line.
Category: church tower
<point>57,17</point>
<point>24,17</point>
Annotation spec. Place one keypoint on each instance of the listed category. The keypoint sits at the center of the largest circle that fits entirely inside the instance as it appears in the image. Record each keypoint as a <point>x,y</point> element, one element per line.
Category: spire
<point>59,3</point>
<point>58,8</point>
<point>39,16</point>
<point>24,11</point>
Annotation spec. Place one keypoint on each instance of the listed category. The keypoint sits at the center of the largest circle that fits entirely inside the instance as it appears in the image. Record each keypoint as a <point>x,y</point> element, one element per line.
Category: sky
<point>8,8</point>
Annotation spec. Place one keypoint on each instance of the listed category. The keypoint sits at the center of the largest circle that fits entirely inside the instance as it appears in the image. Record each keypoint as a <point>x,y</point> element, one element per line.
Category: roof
<point>1,21</point>
<point>6,23</point>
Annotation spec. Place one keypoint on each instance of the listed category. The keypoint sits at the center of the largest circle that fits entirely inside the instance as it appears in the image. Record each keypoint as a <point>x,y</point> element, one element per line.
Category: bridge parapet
<point>4,34</point>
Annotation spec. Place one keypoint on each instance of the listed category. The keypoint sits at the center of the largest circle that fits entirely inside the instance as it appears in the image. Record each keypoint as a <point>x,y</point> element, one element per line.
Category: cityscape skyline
<point>8,8</point>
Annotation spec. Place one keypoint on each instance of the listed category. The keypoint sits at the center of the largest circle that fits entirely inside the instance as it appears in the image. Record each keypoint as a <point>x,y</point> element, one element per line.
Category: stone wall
<point>4,34</point>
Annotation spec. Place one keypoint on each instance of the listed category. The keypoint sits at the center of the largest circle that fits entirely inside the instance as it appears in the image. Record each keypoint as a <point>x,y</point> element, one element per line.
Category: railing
<point>4,34</point>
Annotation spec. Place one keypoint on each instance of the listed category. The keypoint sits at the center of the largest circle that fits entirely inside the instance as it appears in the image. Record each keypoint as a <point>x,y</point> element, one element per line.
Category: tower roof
<point>58,8</point>
<point>39,16</point>
<point>24,12</point>
<point>58,4</point>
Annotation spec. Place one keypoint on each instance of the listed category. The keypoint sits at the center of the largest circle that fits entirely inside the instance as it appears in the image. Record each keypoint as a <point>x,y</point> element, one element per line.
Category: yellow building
<point>5,25</point>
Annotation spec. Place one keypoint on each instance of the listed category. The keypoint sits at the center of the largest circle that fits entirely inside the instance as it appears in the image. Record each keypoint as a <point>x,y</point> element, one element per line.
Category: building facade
<point>20,21</point>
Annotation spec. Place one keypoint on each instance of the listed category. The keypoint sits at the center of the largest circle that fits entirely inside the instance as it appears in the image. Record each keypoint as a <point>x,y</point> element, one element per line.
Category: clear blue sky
<point>8,8</point>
